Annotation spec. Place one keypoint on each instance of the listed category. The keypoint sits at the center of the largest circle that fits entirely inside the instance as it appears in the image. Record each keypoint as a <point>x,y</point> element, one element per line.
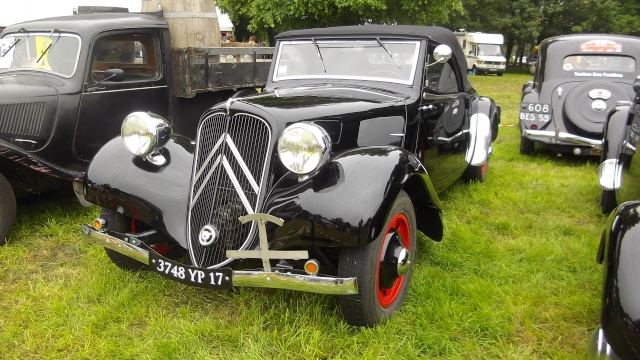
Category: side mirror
<point>442,54</point>
<point>636,86</point>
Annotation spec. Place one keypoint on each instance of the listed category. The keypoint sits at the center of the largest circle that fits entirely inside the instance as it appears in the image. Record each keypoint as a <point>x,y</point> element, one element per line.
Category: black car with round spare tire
<point>578,80</point>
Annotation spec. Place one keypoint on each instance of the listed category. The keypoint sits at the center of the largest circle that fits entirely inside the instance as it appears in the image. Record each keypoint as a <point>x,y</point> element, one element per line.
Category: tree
<point>269,17</point>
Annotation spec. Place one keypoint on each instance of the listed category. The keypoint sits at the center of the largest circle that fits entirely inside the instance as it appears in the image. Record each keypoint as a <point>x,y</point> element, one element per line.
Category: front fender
<point>346,204</point>
<point>615,133</point>
<point>620,248</point>
<point>156,195</point>
<point>483,128</point>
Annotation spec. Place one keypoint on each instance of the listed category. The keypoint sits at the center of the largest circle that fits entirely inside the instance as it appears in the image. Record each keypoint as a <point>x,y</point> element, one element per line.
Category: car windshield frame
<point>52,52</point>
<point>393,61</point>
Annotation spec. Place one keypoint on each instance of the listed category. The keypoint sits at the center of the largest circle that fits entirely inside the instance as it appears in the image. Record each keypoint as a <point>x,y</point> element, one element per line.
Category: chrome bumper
<point>560,137</point>
<point>264,279</point>
<point>599,348</point>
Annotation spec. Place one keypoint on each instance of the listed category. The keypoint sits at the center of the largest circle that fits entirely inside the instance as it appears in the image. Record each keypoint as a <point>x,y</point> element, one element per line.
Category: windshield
<point>49,52</point>
<point>368,60</point>
<point>489,50</point>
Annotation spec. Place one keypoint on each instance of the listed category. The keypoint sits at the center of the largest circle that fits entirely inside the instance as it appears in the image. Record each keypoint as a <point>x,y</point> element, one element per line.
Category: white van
<point>483,52</point>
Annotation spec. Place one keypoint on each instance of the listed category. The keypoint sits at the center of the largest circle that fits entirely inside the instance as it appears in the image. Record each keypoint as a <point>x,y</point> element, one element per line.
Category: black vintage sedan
<point>320,181</point>
<point>618,336</point>
<point>577,81</point>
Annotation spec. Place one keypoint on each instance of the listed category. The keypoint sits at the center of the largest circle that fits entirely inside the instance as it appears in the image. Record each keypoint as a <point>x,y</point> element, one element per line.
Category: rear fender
<point>483,123</point>
<point>347,203</point>
<point>615,134</point>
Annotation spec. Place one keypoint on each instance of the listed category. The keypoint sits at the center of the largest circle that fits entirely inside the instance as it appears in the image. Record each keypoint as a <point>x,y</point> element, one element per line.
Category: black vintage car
<point>578,79</point>
<point>618,336</point>
<point>323,178</point>
<point>621,137</point>
<point>67,82</point>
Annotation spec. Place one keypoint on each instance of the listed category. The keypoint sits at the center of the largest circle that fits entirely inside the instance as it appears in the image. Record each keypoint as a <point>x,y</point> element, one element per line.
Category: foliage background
<point>524,23</point>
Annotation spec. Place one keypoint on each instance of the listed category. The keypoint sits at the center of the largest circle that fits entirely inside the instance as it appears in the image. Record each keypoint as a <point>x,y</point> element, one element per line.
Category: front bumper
<point>561,138</point>
<point>134,249</point>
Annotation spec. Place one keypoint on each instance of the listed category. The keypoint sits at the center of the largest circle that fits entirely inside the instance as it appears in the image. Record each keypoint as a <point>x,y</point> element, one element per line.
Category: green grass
<point>515,277</point>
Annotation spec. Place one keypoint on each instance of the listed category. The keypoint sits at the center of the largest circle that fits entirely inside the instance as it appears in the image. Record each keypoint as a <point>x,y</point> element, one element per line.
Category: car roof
<point>436,33</point>
<point>89,24</point>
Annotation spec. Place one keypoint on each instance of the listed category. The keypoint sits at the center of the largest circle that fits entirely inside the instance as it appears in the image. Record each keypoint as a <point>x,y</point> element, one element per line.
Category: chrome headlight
<point>303,148</point>
<point>144,133</point>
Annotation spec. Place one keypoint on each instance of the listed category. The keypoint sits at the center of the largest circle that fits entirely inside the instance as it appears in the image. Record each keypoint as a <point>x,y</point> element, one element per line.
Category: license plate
<point>207,278</point>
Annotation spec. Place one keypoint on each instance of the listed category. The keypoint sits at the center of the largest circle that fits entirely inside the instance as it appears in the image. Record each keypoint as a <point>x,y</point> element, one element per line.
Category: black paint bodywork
<point>619,252</point>
<point>568,94</point>
<point>346,202</point>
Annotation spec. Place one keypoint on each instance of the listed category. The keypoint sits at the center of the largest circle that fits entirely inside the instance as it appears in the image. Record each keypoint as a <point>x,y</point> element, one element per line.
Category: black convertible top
<point>436,33</point>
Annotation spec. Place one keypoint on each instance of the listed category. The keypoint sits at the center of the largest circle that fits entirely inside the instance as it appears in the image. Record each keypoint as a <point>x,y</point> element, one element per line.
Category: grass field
<point>515,277</point>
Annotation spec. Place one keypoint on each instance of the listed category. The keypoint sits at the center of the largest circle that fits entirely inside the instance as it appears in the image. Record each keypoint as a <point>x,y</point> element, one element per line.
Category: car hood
<point>29,107</point>
<point>360,111</point>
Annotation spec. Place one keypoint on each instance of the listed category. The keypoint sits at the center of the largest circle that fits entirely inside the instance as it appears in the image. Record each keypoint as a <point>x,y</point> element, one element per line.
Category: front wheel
<point>383,268</point>
<point>499,74</point>
<point>7,209</point>
<point>607,201</point>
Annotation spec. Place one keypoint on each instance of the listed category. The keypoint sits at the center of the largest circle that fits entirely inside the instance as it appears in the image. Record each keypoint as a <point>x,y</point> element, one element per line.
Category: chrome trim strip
<point>274,280</point>
<point>121,90</point>
<point>570,138</point>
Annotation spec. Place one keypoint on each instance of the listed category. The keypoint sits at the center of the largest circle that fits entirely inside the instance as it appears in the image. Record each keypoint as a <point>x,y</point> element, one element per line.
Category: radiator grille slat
<point>230,162</point>
<point>23,119</point>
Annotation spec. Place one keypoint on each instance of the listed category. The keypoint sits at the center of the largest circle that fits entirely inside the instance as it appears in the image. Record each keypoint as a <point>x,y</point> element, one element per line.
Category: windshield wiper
<point>46,50</point>
<point>387,50</point>
<point>16,41</point>
<point>319,54</point>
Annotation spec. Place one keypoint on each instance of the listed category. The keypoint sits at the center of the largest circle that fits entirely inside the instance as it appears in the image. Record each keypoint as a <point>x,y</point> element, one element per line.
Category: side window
<point>442,79</point>
<point>136,55</point>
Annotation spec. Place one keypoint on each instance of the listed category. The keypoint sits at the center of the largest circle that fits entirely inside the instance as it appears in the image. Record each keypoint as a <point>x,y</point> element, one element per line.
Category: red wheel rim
<point>386,296</point>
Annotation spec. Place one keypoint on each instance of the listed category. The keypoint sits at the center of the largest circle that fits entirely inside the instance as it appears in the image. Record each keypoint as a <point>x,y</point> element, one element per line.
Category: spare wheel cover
<point>589,114</point>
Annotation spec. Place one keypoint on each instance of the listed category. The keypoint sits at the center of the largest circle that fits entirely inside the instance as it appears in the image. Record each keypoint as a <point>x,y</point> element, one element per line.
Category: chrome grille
<point>22,119</point>
<point>231,157</point>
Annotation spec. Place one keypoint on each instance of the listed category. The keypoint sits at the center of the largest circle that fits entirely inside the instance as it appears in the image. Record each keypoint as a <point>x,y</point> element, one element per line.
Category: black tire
<point>526,146</point>
<point>476,173</point>
<point>578,109</point>
<point>499,74</point>
<point>607,201</point>
<point>122,224</point>
<point>374,304</point>
<point>7,209</point>
<point>475,71</point>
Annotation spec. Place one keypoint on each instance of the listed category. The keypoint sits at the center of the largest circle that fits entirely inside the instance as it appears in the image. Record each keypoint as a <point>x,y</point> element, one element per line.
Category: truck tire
<point>7,209</point>
<point>376,302</point>
<point>122,224</point>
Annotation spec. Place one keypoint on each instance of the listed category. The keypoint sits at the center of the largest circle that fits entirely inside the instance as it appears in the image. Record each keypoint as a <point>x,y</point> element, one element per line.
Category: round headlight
<point>144,133</point>
<point>303,148</point>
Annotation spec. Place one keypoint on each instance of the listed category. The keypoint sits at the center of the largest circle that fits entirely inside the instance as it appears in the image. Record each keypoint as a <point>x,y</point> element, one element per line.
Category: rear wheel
<point>383,268</point>
<point>526,146</point>
<point>476,71</point>
<point>122,224</point>
<point>7,209</point>
<point>607,201</point>
<point>499,74</point>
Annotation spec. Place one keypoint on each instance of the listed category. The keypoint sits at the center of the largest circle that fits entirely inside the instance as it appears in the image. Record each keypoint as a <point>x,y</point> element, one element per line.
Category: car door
<point>105,101</point>
<point>444,126</point>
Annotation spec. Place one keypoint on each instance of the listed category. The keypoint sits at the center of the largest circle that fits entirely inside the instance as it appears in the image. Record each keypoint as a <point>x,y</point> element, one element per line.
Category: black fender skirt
<point>620,246</point>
